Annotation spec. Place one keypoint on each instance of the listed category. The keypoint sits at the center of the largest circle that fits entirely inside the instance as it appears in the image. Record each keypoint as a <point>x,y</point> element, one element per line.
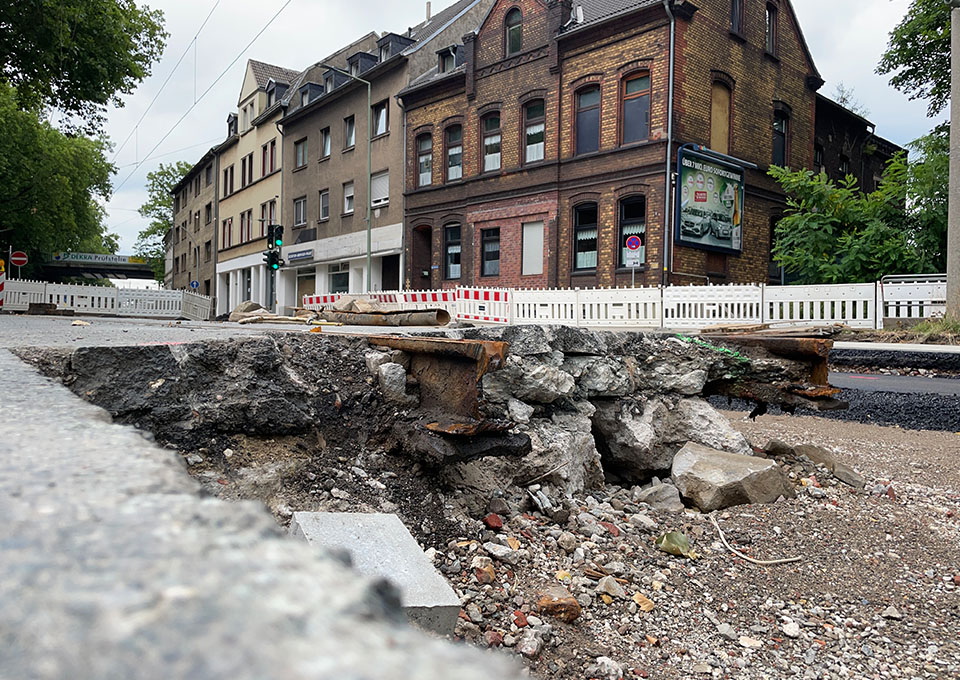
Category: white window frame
<point>348,198</point>
<point>300,211</point>
<point>324,194</point>
<point>379,197</point>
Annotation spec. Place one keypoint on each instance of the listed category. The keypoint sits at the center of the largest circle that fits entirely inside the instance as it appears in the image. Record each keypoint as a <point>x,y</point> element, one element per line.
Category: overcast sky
<point>845,36</point>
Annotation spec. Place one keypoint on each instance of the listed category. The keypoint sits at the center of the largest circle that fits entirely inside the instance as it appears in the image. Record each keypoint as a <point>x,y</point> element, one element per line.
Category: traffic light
<point>274,235</point>
<point>272,258</point>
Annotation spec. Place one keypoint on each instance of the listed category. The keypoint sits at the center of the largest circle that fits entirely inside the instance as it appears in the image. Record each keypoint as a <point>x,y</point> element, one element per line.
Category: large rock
<point>665,497</point>
<point>248,309</point>
<point>393,383</point>
<point>564,453</point>
<point>527,380</point>
<point>602,376</point>
<point>718,479</point>
<point>632,438</point>
<point>697,421</point>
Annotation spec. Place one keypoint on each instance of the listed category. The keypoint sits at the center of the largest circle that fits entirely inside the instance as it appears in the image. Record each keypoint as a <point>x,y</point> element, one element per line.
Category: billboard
<point>709,203</point>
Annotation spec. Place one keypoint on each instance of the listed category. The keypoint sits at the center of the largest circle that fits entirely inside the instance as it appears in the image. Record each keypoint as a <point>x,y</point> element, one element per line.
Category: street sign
<point>194,284</point>
<point>634,243</point>
<point>18,258</point>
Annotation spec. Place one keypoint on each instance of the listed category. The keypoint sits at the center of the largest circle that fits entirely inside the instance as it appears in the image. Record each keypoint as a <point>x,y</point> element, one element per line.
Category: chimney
<point>428,10</point>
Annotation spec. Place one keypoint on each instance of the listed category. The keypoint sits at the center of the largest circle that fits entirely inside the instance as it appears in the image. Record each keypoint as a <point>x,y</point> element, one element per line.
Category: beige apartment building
<point>193,237</point>
<point>325,138</point>
<point>250,185</point>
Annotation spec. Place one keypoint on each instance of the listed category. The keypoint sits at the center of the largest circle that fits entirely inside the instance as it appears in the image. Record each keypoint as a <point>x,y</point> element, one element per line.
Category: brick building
<point>193,238</point>
<point>533,162</point>
<point>845,144</point>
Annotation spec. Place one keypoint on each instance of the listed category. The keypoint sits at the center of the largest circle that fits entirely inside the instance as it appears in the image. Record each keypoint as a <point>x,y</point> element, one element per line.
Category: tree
<point>158,208</point>
<point>918,54</point>
<point>77,56</point>
<point>834,233</point>
<point>846,97</point>
<point>51,185</point>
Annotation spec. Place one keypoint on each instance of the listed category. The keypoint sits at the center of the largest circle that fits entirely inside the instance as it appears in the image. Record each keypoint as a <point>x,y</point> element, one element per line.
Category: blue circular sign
<point>194,284</point>
<point>634,243</point>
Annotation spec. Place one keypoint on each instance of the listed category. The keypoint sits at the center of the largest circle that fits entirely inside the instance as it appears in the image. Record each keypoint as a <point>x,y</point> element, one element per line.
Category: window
<point>324,205</point>
<point>300,153</point>
<point>264,220</point>
<point>588,120</point>
<point>844,166</point>
<point>720,118</point>
<point>532,261</point>
<point>736,16</point>
<point>196,256</point>
<point>246,170</point>
<point>633,222</point>
<point>780,129</point>
<point>325,143</point>
<point>454,139</point>
<point>246,226</point>
<point>228,181</point>
<point>585,236</point>
<point>513,28</point>
<point>448,62</point>
<point>300,211</point>
<point>176,203</point>
<point>817,158</point>
<point>771,43</point>
<point>424,160</point>
<point>533,145</point>
<point>208,251</point>
<point>209,174</point>
<point>226,233</point>
<point>348,198</point>
<point>339,277</point>
<point>196,221</point>
<point>304,98</point>
<point>381,115</point>
<point>380,189</point>
<point>268,158</point>
<point>271,97</point>
<point>490,251</point>
<point>208,213</point>
<point>491,142</point>
<point>327,83</point>
<point>355,68</point>
<point>196,186</point>
<point>349,132</point>
<point>384,52</point>
<point>636,109</point>
<point>451,251</point>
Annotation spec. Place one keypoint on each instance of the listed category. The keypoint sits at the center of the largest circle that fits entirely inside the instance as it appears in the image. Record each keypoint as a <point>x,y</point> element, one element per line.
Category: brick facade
<point>557,60</point>
<point>194,236</point>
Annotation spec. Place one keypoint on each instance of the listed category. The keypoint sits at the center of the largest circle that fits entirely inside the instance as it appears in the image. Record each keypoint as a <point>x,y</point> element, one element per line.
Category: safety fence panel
<point>700,306</point>
<point>318,302</point>
<point>429,299</point>
<point>154,303</point>
<point>914,300</point>
<point>20,293</point>
<point>627,307</point>
<point>80,298</point>
<point>545,306</point>
<point>196,307</point>
<point>485,305</point>
<point>853,304</point>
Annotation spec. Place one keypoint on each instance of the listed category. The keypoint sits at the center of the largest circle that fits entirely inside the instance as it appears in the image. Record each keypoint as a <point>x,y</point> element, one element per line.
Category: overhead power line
<point>205,92</point>
<point>192,43</point>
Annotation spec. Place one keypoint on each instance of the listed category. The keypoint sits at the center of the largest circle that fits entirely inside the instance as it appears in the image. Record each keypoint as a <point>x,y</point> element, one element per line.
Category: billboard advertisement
<point>709,203</point>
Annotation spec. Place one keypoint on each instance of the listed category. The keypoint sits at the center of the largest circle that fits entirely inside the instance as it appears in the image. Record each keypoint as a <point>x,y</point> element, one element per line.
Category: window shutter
<point>380,188</point>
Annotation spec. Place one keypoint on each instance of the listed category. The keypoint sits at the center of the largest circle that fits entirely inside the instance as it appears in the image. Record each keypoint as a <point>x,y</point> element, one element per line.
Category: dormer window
<point>304,98</point>
<point>355,68</point>
<point>328,83</point>
<point>513,26</point>
<point>385,52</point>
<point>447,62</point>
<point>271,97</point>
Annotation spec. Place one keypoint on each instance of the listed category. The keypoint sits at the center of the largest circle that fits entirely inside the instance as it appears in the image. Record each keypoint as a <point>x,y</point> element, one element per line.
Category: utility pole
<point>953,199</point>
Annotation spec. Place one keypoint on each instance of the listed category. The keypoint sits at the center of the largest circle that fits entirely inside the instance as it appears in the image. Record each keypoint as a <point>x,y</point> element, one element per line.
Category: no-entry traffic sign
<point>18,258</point>
<point>634,243</point>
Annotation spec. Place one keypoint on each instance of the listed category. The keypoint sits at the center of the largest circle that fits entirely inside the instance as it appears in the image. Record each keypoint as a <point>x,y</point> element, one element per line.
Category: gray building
<point>194,235</point>
<point>324,129</point>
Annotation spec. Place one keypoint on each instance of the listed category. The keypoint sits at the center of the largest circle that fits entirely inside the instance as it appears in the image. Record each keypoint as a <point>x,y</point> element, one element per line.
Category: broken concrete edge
<point>115,566</point>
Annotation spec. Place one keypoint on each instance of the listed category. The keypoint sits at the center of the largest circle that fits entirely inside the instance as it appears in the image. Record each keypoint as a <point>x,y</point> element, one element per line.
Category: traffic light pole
<point>272,258</point>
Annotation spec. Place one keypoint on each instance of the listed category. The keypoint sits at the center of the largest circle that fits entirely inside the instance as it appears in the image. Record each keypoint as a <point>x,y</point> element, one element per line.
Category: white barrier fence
<point>166,304</point>
<point>858,305</point>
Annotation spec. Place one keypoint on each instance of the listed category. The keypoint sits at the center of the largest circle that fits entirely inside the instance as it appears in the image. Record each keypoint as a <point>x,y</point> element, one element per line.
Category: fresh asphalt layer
<point>899,384</point>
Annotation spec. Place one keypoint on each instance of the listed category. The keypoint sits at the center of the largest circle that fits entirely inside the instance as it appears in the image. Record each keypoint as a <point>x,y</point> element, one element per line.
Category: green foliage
<point>158,208</point>
<point>50,186</point>
<point>918,54</point>
<point>938,327</point>
<point>77,56</point>
<point>834,233</point>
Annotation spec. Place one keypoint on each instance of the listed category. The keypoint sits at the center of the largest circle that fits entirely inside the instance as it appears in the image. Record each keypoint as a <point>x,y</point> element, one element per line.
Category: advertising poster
<point>709,203</point>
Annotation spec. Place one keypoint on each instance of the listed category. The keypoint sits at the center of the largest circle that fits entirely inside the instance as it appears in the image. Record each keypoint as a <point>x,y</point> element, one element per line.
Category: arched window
<point>635,117</point>
<point>424,160</point>
<point>454,152</point>
<point>633,222</point>
<point>781,128</point>
<point>490,131</point>
<point>533,131</point>
<point>451,251</point>
<point>720,117</point>
<point>585,236</point>
<point>513,28</point>
<point>588,120</point>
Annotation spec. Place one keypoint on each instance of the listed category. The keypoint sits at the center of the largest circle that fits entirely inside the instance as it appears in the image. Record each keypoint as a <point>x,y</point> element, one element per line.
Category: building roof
<point>600,10</point>
<point>427,28</point>
<point>263,72</point>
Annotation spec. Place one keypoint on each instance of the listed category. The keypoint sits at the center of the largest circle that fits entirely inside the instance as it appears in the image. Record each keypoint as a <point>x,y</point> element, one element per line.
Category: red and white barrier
<point>320,301</point>
<point>3,281</point>
<point>489,305</point>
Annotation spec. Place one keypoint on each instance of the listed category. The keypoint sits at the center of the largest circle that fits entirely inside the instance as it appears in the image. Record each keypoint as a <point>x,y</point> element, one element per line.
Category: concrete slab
<point>382,547</point>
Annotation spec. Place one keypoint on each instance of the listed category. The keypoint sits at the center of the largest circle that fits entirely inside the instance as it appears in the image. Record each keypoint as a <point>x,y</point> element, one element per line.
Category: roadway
<point>900,384</point>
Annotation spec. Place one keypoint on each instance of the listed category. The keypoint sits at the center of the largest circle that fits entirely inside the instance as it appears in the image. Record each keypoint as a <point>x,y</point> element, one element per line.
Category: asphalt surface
<point>900,384</point>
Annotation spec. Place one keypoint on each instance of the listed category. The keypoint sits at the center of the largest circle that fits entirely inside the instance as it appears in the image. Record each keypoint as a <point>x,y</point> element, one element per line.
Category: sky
<point>846,38</point>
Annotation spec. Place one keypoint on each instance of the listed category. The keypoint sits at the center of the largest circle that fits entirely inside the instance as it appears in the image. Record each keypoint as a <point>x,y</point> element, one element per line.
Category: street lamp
<point>953,200</point>
<point>369,177</point>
